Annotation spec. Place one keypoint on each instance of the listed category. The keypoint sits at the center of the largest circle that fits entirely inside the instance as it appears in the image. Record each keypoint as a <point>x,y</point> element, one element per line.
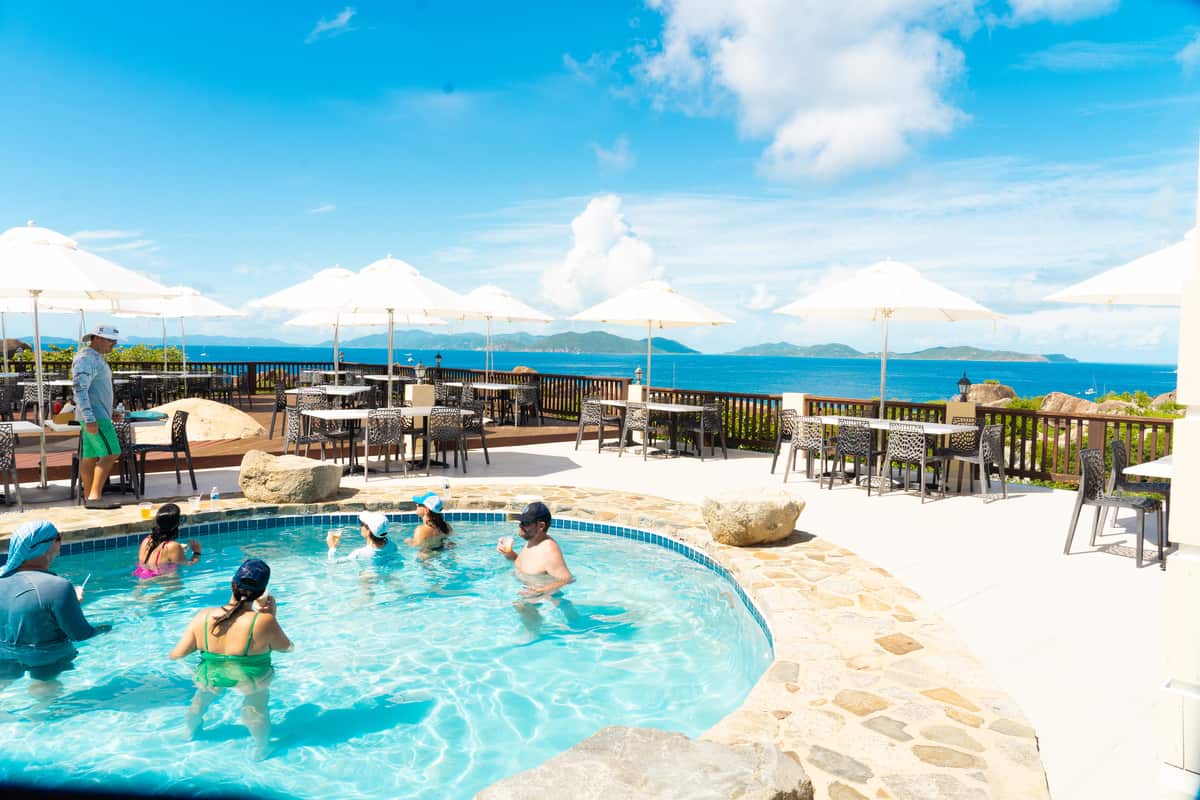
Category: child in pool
<point>433,533</point>
<point>160,553</point>
<point>377,547</point>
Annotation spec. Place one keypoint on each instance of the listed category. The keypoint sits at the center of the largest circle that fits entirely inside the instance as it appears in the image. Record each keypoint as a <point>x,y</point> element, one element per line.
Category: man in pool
<point>39,611</point>
<point>540,563</point>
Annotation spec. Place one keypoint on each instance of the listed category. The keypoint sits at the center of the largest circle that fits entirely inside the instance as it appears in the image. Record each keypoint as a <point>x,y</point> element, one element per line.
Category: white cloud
<point>1083,56</point>
<point>606,257</point>
<point>324,208</point>
<point>137,245</point>
<point>454,255</point>
<point>836,86</point>
<point>1189,56</point>
<point>105,234</point>
<point>761,298</point>
<point>618,158</point>
<point>595,67</point>
<point>334,26</point>
<point>1059,10</point>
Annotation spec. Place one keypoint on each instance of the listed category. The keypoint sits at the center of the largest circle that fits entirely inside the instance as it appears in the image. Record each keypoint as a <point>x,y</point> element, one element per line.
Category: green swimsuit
<point>220,671</point>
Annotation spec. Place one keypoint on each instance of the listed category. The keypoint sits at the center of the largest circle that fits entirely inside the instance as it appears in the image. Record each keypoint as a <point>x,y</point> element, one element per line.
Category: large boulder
<point>1115,407</point>
<point>1060,403</point>
<point>265,478</point>
<point>635,763</point>
<point>14,346</point>
<point>742,518</point>
<point>1165,399</point>
<point>523,370</point>
<point>990,394</point>
<point>208,421</point>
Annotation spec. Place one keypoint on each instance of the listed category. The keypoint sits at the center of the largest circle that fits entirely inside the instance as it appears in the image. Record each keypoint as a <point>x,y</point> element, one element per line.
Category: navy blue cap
<point>534,512</point>
<point>253,575</point>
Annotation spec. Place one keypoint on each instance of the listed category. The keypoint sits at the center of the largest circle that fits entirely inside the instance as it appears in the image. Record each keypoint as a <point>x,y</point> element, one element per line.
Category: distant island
<point>569,342</point>
<point>835,350</point>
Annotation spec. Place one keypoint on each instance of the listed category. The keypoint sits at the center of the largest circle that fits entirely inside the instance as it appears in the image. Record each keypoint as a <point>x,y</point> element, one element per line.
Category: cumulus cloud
<point>619,157</point>
<point>606,257</point>
<point>1083,56</point>
<point>334,26</point>
<point>760,298</point>
<point>1059,10</point>
<point>1189,56</point>
<point>104,234</point>
<point>835,86</point>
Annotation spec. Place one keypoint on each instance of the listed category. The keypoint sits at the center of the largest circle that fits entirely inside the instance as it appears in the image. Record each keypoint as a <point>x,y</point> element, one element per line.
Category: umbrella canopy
<point>351,319</point>
<point>329,289</point>
<point>888,290</point>
<point>656,305</point>
<point>39,263</point>
<point>493,303</point>
<point>1153,280</point>
<point>187,303</point>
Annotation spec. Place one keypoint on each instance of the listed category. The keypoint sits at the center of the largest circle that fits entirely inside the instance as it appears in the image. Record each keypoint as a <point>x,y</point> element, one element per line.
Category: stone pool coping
<point>870,690</point>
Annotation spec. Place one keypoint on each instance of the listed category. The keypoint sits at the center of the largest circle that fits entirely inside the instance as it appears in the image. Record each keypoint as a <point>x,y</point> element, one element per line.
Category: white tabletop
<point>22,426</point>
<point>490,387</point>
<point>1160,468</point>
<point>336,391</point>
<point>670,408</point>
<point>63,382</point>
<point>392,378</point>
<point>930,428</point>
<point>63,427</point>
<point>342,414</point>
<point>158,376</point>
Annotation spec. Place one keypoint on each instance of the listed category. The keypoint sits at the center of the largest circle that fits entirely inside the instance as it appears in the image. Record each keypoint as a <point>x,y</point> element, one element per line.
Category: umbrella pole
<point>183,349</point>
<point>164,323</point>
<point>883,367</point>
<point>487,356</point>
<point>4,335</point>
<point>41,493</point>
<point>646,390</point>
<point>389,366</point>
<point>337,329</point>
<point>80,336</point>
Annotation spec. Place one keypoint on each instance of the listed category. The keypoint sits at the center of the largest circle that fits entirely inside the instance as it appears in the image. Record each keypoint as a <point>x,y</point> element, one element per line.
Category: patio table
<point>354,417</point>
<point>341,391</point>
<point>1163,468</point>
<point>672,410</point>
<point>391,378</point>
<point>930,428</point>
<point>500,392</point>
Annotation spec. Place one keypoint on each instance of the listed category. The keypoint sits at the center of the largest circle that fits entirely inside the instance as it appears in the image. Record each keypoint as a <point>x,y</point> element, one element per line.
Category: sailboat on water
<point>1092,389</point>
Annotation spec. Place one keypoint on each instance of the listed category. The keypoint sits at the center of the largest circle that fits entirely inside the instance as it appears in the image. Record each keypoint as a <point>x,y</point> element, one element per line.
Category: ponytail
<point>166,527</point>
<point>438,521</point>
<point>244,598</point>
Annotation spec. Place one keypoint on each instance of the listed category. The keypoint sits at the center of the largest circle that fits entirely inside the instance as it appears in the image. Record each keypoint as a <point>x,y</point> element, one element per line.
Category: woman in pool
<point>434,532</point>
<point>160,553</point>
<point>377,547</point>
<point>235,651</point>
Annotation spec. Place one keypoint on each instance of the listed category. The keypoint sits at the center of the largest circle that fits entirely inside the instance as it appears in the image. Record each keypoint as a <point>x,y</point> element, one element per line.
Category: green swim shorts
<point>104,443</point>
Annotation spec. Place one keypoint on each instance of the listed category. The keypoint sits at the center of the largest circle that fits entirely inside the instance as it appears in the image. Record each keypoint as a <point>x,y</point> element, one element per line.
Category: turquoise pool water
<point>424,682</point>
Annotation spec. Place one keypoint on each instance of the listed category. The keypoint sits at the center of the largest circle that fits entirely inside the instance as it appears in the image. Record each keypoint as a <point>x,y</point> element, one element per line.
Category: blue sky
<point>746,151</point>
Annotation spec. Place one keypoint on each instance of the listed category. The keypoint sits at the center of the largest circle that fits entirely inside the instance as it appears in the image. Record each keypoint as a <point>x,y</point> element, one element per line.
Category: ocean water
<point>919,381</point>
<point>425,681</point>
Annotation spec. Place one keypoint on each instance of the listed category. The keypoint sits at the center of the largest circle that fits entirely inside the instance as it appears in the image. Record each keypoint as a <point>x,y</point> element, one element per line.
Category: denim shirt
<point>93,385</point>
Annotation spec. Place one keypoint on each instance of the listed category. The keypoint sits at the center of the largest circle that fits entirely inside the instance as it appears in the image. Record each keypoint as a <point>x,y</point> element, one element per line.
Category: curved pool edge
<point>868,689</point>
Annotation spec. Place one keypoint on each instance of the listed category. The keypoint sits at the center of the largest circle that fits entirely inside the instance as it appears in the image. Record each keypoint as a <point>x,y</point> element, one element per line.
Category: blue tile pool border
<point>201,529</point>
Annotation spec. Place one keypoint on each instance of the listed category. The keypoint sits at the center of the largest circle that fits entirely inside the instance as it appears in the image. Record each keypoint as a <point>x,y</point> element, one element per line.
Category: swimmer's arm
<point>276,638</point>
<point>64,604</point>
<point>419,536</point>
<point>558,570</point>
<point>187,642</point>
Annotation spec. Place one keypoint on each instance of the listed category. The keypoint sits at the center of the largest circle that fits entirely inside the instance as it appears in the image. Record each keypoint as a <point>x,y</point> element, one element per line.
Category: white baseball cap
<point>376,523</point>
<point>104,332</point>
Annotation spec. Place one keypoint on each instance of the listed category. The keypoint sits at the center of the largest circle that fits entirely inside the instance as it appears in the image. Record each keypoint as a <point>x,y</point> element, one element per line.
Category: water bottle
<point>214,498</point>
<point>120,410</point>
<point>446,488</point>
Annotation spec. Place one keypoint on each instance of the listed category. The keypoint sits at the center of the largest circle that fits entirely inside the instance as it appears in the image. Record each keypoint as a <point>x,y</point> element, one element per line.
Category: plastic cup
<point>146,509</point>
<point>194,503</point>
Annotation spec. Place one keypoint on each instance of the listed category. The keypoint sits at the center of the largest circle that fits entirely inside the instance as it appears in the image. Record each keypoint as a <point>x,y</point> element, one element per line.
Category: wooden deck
<point>229,452</point>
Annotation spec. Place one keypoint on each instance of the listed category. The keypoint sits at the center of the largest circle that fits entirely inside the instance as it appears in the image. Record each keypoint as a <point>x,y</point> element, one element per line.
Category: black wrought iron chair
<point>178,444</point>
<point>1119,484</point>
<point>297,431</point>
<point>384,430</point>
<point>444,427</point>
<point>281,404</point>
<point>1091,493</point>
<point>591,412</point>
<point>990,453</point>
<point>712,425</point>
<point>964,443</point>
<point>785,429</point>
<point>808,435</point>
<point>9,391</point>
<point>29,400</point>
<point>8,463</point>
<point>906,447</point>
<point>526,403</point>
<point>854,442</point>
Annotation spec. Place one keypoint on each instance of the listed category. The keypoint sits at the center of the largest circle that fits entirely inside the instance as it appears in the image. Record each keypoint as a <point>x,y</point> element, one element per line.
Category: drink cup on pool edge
<point>194,503</point>
<point>146,509</point>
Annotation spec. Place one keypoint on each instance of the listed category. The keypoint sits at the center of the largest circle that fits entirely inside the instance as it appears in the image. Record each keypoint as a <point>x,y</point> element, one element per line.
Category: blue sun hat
<point>29,540</point>
<point>430,500</point>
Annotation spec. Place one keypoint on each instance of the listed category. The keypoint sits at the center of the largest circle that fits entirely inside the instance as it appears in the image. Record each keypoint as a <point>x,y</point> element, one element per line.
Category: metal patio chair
<point>1091,493</point>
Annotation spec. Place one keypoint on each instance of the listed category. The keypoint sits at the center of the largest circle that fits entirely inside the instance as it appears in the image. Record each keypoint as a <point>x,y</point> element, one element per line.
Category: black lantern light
<point>964,386</point>
<point>437,360</point>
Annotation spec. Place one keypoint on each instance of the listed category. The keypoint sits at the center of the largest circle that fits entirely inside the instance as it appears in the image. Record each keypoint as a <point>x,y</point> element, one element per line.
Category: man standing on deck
<point>93,386</point>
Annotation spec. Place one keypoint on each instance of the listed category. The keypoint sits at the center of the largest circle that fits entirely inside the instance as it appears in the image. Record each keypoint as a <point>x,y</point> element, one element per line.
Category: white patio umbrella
<point>24,305</point>
<point>42,264</point>
<point>328,290</point>
<point>492,303</point>
<point>1153,280</point>
<point>349,319</point>
<point>187,303</point>
<point>392,286</point>
<point>888,290</point>
<point>656,305</point>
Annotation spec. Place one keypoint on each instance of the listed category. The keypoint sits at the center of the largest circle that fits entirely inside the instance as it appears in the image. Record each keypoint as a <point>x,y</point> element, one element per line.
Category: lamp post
<point>437,363</point>
<point>964,386</point>
<point>419,371</point>
<point>637,376</point>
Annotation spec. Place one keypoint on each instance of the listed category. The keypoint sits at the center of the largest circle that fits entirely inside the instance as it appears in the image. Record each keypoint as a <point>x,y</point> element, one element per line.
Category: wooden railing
<point>1038,445</point>
<point>750,419</point>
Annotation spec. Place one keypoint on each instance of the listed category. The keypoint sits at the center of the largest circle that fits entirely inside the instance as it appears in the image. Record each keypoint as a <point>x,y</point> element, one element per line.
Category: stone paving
<point>870,690</point>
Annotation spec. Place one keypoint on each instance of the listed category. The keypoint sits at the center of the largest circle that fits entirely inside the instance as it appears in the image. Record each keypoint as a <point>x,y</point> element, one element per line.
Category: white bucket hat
<point>104,332</point>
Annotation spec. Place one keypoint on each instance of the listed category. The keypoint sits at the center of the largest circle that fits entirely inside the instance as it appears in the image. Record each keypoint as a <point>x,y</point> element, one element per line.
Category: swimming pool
<point>423,682</point>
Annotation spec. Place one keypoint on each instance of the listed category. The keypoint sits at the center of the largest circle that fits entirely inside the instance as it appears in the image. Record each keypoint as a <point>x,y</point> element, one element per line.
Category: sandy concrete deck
<point>1075,641</point>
